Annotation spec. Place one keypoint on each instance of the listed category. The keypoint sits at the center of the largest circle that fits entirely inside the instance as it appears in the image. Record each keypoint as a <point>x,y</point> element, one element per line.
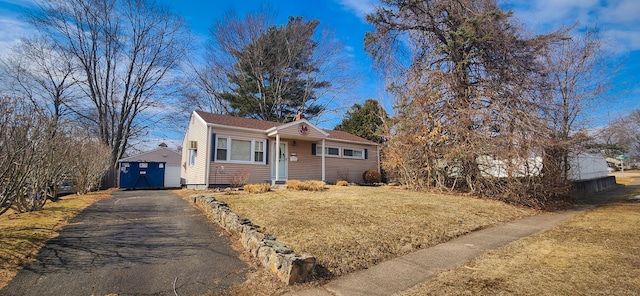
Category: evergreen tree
<point>275,76</point>
<point>364,121</point>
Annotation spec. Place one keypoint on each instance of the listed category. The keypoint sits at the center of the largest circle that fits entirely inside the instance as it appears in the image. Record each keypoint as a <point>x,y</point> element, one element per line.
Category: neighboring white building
<point>582,166</point>
<point>587,166</point>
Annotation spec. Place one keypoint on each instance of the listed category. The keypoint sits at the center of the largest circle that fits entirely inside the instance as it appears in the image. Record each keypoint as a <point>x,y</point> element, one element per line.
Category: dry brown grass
<point>257,188</point>
<point>594,253</point>
<point>626,177</point>
<point>342,183</point>
<point>22,235</point>
<point>306,185</point>
<point>352,228</point>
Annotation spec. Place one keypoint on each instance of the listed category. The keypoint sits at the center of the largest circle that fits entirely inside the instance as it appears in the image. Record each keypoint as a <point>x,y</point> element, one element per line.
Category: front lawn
<point>594,253</point>
<point>353,228</point>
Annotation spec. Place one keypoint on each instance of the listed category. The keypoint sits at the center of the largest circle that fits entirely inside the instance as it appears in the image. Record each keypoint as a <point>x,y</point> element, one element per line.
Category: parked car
<point>66,187</point>
<point>611,170</point>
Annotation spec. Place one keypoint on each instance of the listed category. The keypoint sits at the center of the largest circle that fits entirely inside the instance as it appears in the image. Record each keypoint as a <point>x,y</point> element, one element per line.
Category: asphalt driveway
<point>134,243</point>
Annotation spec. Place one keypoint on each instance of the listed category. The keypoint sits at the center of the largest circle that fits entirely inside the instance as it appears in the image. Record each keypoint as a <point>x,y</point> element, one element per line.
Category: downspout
<point>378,154</point>
<point>207,158</point>
<point>323,163</point>
<point>277,160</point>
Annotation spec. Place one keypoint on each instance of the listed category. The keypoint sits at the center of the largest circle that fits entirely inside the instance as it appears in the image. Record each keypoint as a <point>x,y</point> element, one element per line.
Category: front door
<point>282,163</point>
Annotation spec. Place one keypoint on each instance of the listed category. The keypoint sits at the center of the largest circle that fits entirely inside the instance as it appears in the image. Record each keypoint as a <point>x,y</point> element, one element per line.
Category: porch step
<point>280,182</point>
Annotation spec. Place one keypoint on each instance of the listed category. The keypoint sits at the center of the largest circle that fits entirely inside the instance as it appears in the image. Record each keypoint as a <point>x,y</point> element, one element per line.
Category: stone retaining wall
<point>274,255</point>
<point>586,187</point>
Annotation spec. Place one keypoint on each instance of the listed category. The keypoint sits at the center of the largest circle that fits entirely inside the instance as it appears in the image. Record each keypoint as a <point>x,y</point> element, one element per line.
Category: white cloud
<point>12,30</point>
<point>625,11</point>
<point>623,40</point>
<point>617,20</point>
<point>360,7</point>
<point>24,3</point>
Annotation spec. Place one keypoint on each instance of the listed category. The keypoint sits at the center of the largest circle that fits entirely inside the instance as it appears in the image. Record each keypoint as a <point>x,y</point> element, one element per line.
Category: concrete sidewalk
<point>402,273</point>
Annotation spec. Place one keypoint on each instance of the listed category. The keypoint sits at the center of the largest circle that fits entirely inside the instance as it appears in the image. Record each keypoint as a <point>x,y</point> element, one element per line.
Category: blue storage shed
<point>142,175</point>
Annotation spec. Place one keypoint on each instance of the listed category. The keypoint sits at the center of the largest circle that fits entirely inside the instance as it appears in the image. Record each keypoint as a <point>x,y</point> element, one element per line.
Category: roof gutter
<point>352,142</point>
<point>207,158</point>
<point>210,125</point>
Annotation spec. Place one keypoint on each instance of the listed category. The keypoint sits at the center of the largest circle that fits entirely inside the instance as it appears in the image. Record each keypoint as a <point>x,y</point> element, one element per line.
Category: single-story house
<point>158,168</point>
<point>218,150</point>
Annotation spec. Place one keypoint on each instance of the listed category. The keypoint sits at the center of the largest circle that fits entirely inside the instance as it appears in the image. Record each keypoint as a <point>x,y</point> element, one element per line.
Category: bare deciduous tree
<point>622,136</point>
<point>580,75</point>
<point>39,152</point>
<point>125,51</point>
<point>469,94</point>
<point>38,71</point>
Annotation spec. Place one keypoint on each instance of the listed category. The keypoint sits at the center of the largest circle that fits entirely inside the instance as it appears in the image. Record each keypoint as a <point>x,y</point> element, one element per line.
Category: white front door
<point>282,163</point>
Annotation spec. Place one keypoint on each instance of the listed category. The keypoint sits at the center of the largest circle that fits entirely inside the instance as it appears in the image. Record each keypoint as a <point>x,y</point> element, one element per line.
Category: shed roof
<point>161,154</point>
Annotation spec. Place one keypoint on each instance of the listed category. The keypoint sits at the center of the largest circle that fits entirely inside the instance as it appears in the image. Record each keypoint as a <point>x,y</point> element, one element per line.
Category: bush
<point>306,185</point>
<point>342,183</point>
<point>371,177</point>
<point>343,174</point>
<point>313,185</point>
<point>257,188</point>
<point>240,178</point>
<point>294,185</point>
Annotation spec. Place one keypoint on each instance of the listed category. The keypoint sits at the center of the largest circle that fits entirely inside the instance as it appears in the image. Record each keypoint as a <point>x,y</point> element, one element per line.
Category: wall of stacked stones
<point>291,268</point>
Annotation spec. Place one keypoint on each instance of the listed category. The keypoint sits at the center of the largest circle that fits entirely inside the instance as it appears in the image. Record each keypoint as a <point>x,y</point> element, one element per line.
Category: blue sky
<point>618,20</point>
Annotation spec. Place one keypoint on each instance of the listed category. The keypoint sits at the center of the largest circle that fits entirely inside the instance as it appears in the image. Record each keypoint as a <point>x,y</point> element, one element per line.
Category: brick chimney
<point>299,116</point>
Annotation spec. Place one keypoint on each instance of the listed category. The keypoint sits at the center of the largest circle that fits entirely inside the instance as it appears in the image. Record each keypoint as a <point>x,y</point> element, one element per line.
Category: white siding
<point>197,131</point>
<point>172,176</point>
<point>587,166</point>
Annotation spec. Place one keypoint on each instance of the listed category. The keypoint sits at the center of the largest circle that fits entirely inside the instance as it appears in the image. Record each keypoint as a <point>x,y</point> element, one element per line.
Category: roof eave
<point>354,142</point>
<point>246,129</point>
<point>271,131</point>
<point>131,158</point>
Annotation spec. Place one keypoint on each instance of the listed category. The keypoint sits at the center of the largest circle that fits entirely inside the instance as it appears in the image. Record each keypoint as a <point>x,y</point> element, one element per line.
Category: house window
<point>192,157</point>
<point>330,151</point>
<point>221,149</point>
<point>259,151</point>
<point>353,153</point>
<point>240,150</point>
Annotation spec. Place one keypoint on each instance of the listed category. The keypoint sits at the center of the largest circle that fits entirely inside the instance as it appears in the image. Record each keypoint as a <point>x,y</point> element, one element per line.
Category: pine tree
<point>275,77</point>
<point>364,120</point>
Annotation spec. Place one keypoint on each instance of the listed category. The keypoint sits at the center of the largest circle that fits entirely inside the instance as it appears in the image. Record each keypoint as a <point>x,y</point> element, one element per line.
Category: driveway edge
<point>289,267</point>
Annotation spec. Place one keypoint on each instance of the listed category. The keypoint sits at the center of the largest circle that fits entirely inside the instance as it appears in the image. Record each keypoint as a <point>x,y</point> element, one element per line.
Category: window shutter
<point>266,152</point>
<point>313,148</point>
<point>213,147</point>
<point>366,154</point>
